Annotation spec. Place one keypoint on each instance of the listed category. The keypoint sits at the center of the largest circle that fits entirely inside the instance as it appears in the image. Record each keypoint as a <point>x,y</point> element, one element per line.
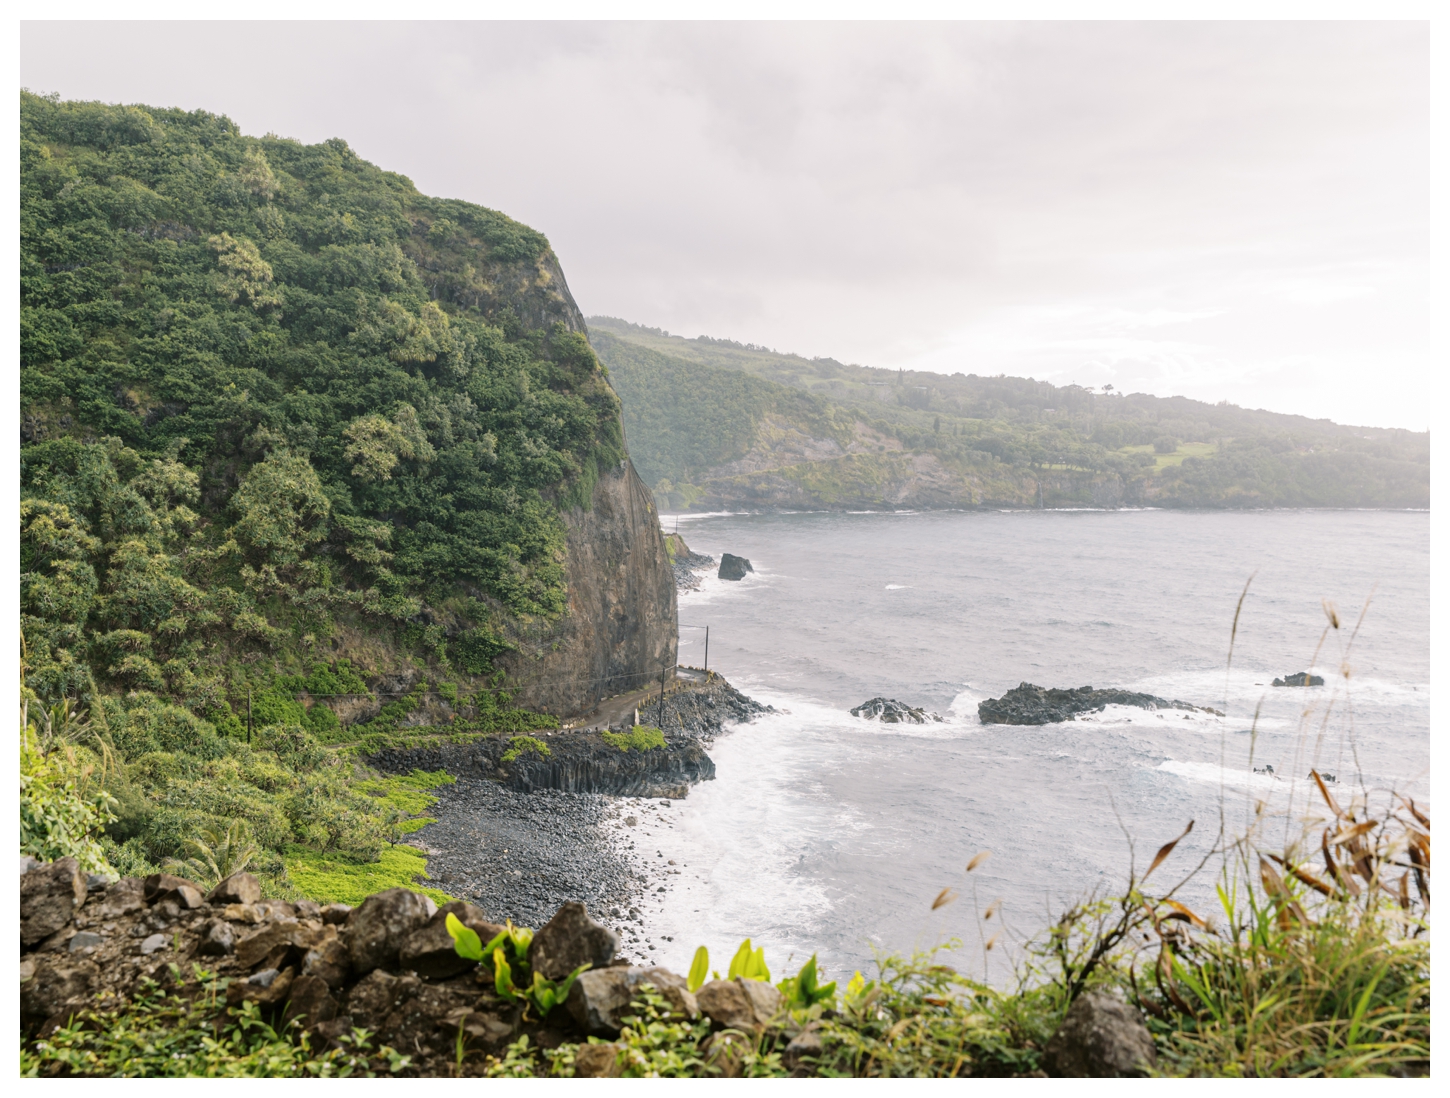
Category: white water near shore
<point>826,833</point>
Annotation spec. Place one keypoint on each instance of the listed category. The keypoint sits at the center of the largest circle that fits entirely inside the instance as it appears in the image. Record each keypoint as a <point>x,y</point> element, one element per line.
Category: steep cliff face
<point>620,629</point>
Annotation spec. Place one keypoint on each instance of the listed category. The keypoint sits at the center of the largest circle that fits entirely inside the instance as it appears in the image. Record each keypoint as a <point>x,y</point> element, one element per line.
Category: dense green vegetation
<point>692,405</point>
<point>288,426</point>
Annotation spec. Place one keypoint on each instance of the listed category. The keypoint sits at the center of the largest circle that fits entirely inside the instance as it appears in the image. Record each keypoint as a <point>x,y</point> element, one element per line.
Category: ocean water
<point>829,834</point>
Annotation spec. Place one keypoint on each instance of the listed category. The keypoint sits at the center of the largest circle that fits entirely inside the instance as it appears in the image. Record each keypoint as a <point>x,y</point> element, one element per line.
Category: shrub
<point>520,745</point>
<point>641,738</point>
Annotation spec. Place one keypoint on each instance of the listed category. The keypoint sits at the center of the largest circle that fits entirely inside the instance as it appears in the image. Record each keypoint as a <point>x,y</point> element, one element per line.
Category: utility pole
<point>249,716</point>
<point>707,652</point>
<point>662,700</point>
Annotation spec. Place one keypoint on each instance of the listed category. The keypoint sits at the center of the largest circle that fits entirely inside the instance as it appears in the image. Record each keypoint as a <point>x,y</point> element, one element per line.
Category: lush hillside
<point>924,439</point>
<point>298,443</point>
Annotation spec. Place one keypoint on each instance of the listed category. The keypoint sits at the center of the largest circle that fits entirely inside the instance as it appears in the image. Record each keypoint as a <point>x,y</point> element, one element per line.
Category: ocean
<point>824,833</point>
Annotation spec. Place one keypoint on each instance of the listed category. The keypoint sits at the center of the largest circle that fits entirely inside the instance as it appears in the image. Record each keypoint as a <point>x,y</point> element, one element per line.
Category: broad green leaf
<point>465,939</point>
<point>698,969</point>
<point>741,961</point>
<point>503,978</point>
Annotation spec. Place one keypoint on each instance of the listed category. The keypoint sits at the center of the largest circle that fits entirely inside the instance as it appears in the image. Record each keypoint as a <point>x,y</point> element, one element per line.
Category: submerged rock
<point>733,567</point>
<point>1029,704</point>
<point>891,711</point>
<point>1303,678</point>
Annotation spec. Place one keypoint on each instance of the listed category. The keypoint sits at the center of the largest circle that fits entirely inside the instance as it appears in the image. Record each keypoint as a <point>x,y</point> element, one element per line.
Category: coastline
<point>511,841</point>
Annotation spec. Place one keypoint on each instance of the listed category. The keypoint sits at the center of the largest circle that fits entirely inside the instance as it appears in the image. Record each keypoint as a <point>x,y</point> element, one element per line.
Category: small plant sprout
<point>699,968</point>
<point>749,963</point>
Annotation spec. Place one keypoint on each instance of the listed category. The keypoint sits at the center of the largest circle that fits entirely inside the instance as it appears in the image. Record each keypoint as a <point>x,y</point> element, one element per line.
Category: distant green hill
<point>714,423</point>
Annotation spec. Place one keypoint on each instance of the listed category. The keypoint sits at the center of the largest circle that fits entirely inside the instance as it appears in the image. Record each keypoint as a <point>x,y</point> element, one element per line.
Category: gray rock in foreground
<point>1101,1038</point>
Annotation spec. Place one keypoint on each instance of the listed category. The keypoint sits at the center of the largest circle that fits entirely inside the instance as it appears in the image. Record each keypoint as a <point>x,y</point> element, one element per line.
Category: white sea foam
<point>897,586</point>
<point>1210,774</point>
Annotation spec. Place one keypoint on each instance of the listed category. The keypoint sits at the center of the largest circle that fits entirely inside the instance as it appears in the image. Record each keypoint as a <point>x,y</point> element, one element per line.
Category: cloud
<point>1198,199</point>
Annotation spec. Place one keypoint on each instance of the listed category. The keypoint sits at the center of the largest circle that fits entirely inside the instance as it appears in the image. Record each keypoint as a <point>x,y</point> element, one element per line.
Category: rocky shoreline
<point>521,837</point>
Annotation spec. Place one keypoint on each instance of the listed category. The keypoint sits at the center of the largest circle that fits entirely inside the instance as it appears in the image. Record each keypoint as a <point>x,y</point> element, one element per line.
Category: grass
<point>333,879</point>
<point>641,737</point>
<point>1185,450</point>
<point>408,793</point>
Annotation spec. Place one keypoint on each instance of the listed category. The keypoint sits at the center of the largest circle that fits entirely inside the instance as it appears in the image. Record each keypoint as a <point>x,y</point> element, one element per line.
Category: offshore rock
<point>890,711</point>
<point>1029,704</point>
<point>733,567</point>
<point>1100,1038</point>
<point>1303,678</point>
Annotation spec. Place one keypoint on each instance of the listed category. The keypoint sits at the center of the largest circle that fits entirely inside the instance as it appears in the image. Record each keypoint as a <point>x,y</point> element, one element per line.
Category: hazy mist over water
<point>827,833</point>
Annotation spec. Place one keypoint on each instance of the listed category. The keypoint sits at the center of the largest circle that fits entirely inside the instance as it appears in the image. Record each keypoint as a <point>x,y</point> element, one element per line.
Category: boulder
<point>56,987</point>
<point>335,913</point>
<point>86,939</point>
<point>49,897</point>
<point>242,913</point>
<point>239,888</point>
<point>154,944</point>
<point>600,998</point>
<point>739,1003</point>
<point>311,1001</point>
<point>28,862</point>
<point>733,567</point>
<point>891,711</point>
<point>1303,678</point>
<point>596,1062</point>
<point>372,998</point>
<point>329,962</point>
<point>273,991</point>
<point>570,939</point>
<point>1101,1037</point>
<point>429,950</point>
<point>163,886</point>
<point>218,939</point>
<point>377,929</point>
<point>122,898</point>
<point>805,1044</point>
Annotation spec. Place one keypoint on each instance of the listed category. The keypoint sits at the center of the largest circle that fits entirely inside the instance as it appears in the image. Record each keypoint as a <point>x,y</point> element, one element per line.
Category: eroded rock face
<point>1101,1037</point>
<point>739,1003</point>
<point>49,897</point>
<point>891,711</point>
<point>570,939</point>
<point>376,930</point>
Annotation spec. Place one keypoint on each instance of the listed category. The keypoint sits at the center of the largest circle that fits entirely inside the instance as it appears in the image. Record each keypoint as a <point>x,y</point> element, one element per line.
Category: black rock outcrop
<point>891,711</point>
<point>1029,704</point>
<point>1303,678</point>
<point>733,567</point>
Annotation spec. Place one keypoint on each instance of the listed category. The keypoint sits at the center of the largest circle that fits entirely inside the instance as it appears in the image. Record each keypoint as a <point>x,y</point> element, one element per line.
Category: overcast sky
<point>1231,211</point>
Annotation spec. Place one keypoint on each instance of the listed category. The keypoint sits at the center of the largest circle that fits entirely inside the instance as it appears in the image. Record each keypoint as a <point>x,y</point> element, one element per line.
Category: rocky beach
<point>519,837</point>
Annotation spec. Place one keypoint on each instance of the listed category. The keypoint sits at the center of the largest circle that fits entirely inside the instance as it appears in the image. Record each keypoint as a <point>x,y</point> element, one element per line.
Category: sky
<point>1226,211</point>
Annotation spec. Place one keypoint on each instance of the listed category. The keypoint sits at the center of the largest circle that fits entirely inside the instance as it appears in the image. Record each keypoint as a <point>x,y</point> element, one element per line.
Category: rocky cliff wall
<point>621,628</point>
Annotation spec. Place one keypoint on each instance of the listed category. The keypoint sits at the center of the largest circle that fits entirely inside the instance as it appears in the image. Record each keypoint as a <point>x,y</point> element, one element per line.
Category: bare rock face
<point>600,998</point>
<point>570,939</point>
<point>376,930</point>
<point>429,950</point>
<point>239,888</point>
<point>739,1003</point>
<point>1101,1037</point>
<point>620,628</point>
<point>49,897</point>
